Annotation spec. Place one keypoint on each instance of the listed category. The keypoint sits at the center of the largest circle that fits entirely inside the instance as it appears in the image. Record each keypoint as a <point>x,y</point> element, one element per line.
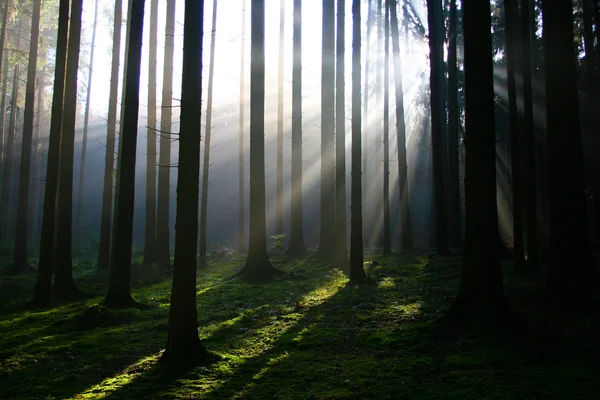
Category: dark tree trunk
<point>438,121</point>
<point>34,205</point>
<point>387,241</point>
<point>119,291</point>
<point>20,252</point>
<point>86,120</point>
<point>3,130</point>
<point>43,285</point>
<point>150,217</point>
<point>481,293</point>
<point>279,212</point>
<point>163,251</point>
<point>241,207</point>
<point>406,238</point>
<point>5,15</point>
<point>570,269</point>
<point>183,344</point>
<point>357,271</point>
<point>296,247</point>
<point>64,285</point>
<point>202,263</point>
<point>111,133</point>
<point>4,69</point>
<point>326,242</point>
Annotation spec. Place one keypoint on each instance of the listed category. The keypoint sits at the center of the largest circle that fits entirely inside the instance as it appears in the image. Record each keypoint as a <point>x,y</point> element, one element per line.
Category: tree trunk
<point>7,6</point>
<point>406,239</point>
<point>374,229</point>
<point>86,120</point>
<point>438,121</point>
<point>163,251</point>
<point>241,207</point>
<point>119,291</point>
<point>64,285</point>
<point>202,262</point>
<point>43,285</point>
<point>34,205</point>
<point>366,127</point>
<point>387,241</point>
<point>183,344</point>
<point>481,293</point>
<point>296,247</point>
<point>570,269</point>
<point>357,271</point>
<point>279,213</point>
<point>5,73</point>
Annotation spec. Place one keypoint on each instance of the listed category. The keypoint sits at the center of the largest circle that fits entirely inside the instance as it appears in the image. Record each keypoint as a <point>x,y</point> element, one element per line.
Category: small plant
<point>278,240</point>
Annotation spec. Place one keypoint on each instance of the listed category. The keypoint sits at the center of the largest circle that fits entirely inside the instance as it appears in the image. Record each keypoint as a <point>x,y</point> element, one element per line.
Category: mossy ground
<point>311,336</point>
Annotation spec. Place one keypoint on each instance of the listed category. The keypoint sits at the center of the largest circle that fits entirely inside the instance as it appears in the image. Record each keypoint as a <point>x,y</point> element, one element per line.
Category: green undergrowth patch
<point>308,335</point>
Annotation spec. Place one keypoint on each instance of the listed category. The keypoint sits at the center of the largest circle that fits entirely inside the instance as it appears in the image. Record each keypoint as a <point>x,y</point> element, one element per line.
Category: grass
<point>312,336</point>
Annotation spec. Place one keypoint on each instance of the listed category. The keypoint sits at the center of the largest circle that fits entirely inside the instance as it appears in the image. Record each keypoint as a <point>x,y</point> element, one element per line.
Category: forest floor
<point>311,336</point>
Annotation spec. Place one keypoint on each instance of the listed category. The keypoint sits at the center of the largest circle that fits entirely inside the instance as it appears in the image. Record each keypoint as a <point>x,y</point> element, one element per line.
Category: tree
<point>163,251</point>
<point>42,294</point>
<point>150,226</point>
<point>438,118</point>
<point>119,290</point>
<point>257,265</point>
<point>325,251</point>
<point>207,136</point>
<point>279,213</point>
<point>481,293</point>
<point>296,246</point>
<point>20,252</point>
<point>5,18</point>
<point>387,241</point>
<point>107,191</point>
<point>241,216</point>
<point>86,120</point>
<point>357,271</point>
<point>570,269</point>
<point>365,132</point>
<point>34,205</point>
<point>183,344</point>
<point>4,68</point>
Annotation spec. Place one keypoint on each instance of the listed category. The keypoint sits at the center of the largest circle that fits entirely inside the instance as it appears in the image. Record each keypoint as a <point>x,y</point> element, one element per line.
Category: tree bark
<point>34,205</point>
<point>4,68</point>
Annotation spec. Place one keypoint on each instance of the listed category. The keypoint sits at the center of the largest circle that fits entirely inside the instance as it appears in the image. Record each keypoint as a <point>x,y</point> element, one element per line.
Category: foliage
<point>278,241</point>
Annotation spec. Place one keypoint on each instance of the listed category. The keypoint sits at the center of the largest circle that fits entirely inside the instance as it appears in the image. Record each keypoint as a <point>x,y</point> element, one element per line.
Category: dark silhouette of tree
<point>5,17</point>
<point>279,213</point>
<point>163,251</point>
<point>257,265</point>
<point>241,207</point>
<point>357,271</point>
<point>202,262</point>
<point>119,290</point>
<point>570,269</point>
<point>4,68</point>
<point>387,240</point>
<point>42,294</point>
<point>183,344</point>
<point>296,246</point>
<point>481,292</point>
<point>111,133</point>
<point>20,251</point>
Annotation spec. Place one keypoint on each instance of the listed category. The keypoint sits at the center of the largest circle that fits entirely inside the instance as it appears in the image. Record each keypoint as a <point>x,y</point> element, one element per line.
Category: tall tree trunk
<point>387,241</point>
<point>366,127</point>
<point>481,292</point>
<point>570,268</point>
<point>34,205</point>
<point>183,343</point>
<point>326,248</point>
<point>357,271</point>
<point>43,285</point>
<point>111,133</point>
<point>202,262</point>
<point>119,290</point>
<point>241,207</point>
<point>163,251</point>
<point>511,16</point>
<point>64,285</point>
<point>20,251</point>
<point>257,264</point>
<point>150,225</point>
<point>5,17</point>
<point>5,74</point>
<point>438,121</point>
<point>406,238</point>
<point>86,120</point>
<point>296,247</point>
<point>374,229</point>
<point>279,213</point>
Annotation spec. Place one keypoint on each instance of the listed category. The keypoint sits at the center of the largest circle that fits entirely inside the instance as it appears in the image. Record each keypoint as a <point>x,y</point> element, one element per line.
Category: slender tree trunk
<point>257,265</point>
<point>107,191</point>
<point>202,262</point>
<point>43,285</point>
<point>34,205</point>
<point>64,285</point>
<point>5,15</point>
<point>279,214</point>
<point>387,241</point>
<point>7,6</point>
<point>296,247</point>
<point>150,226</point>
<point>570,269</point>
<point>481,292</point>
<point>375,222</point>
<point>366,127</point>
<point>438,121</point>
<point>119,290</point>
<point>5,74</point>
<point>357,271</point>
<point>86,120</point>
<point>163,251</point>
<point>241,216</point>
<point>20,255</point>
<point>183,343</point>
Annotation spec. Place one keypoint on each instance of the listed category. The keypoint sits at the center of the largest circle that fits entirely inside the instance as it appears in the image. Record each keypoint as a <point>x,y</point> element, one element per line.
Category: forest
<point>251,199</point>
